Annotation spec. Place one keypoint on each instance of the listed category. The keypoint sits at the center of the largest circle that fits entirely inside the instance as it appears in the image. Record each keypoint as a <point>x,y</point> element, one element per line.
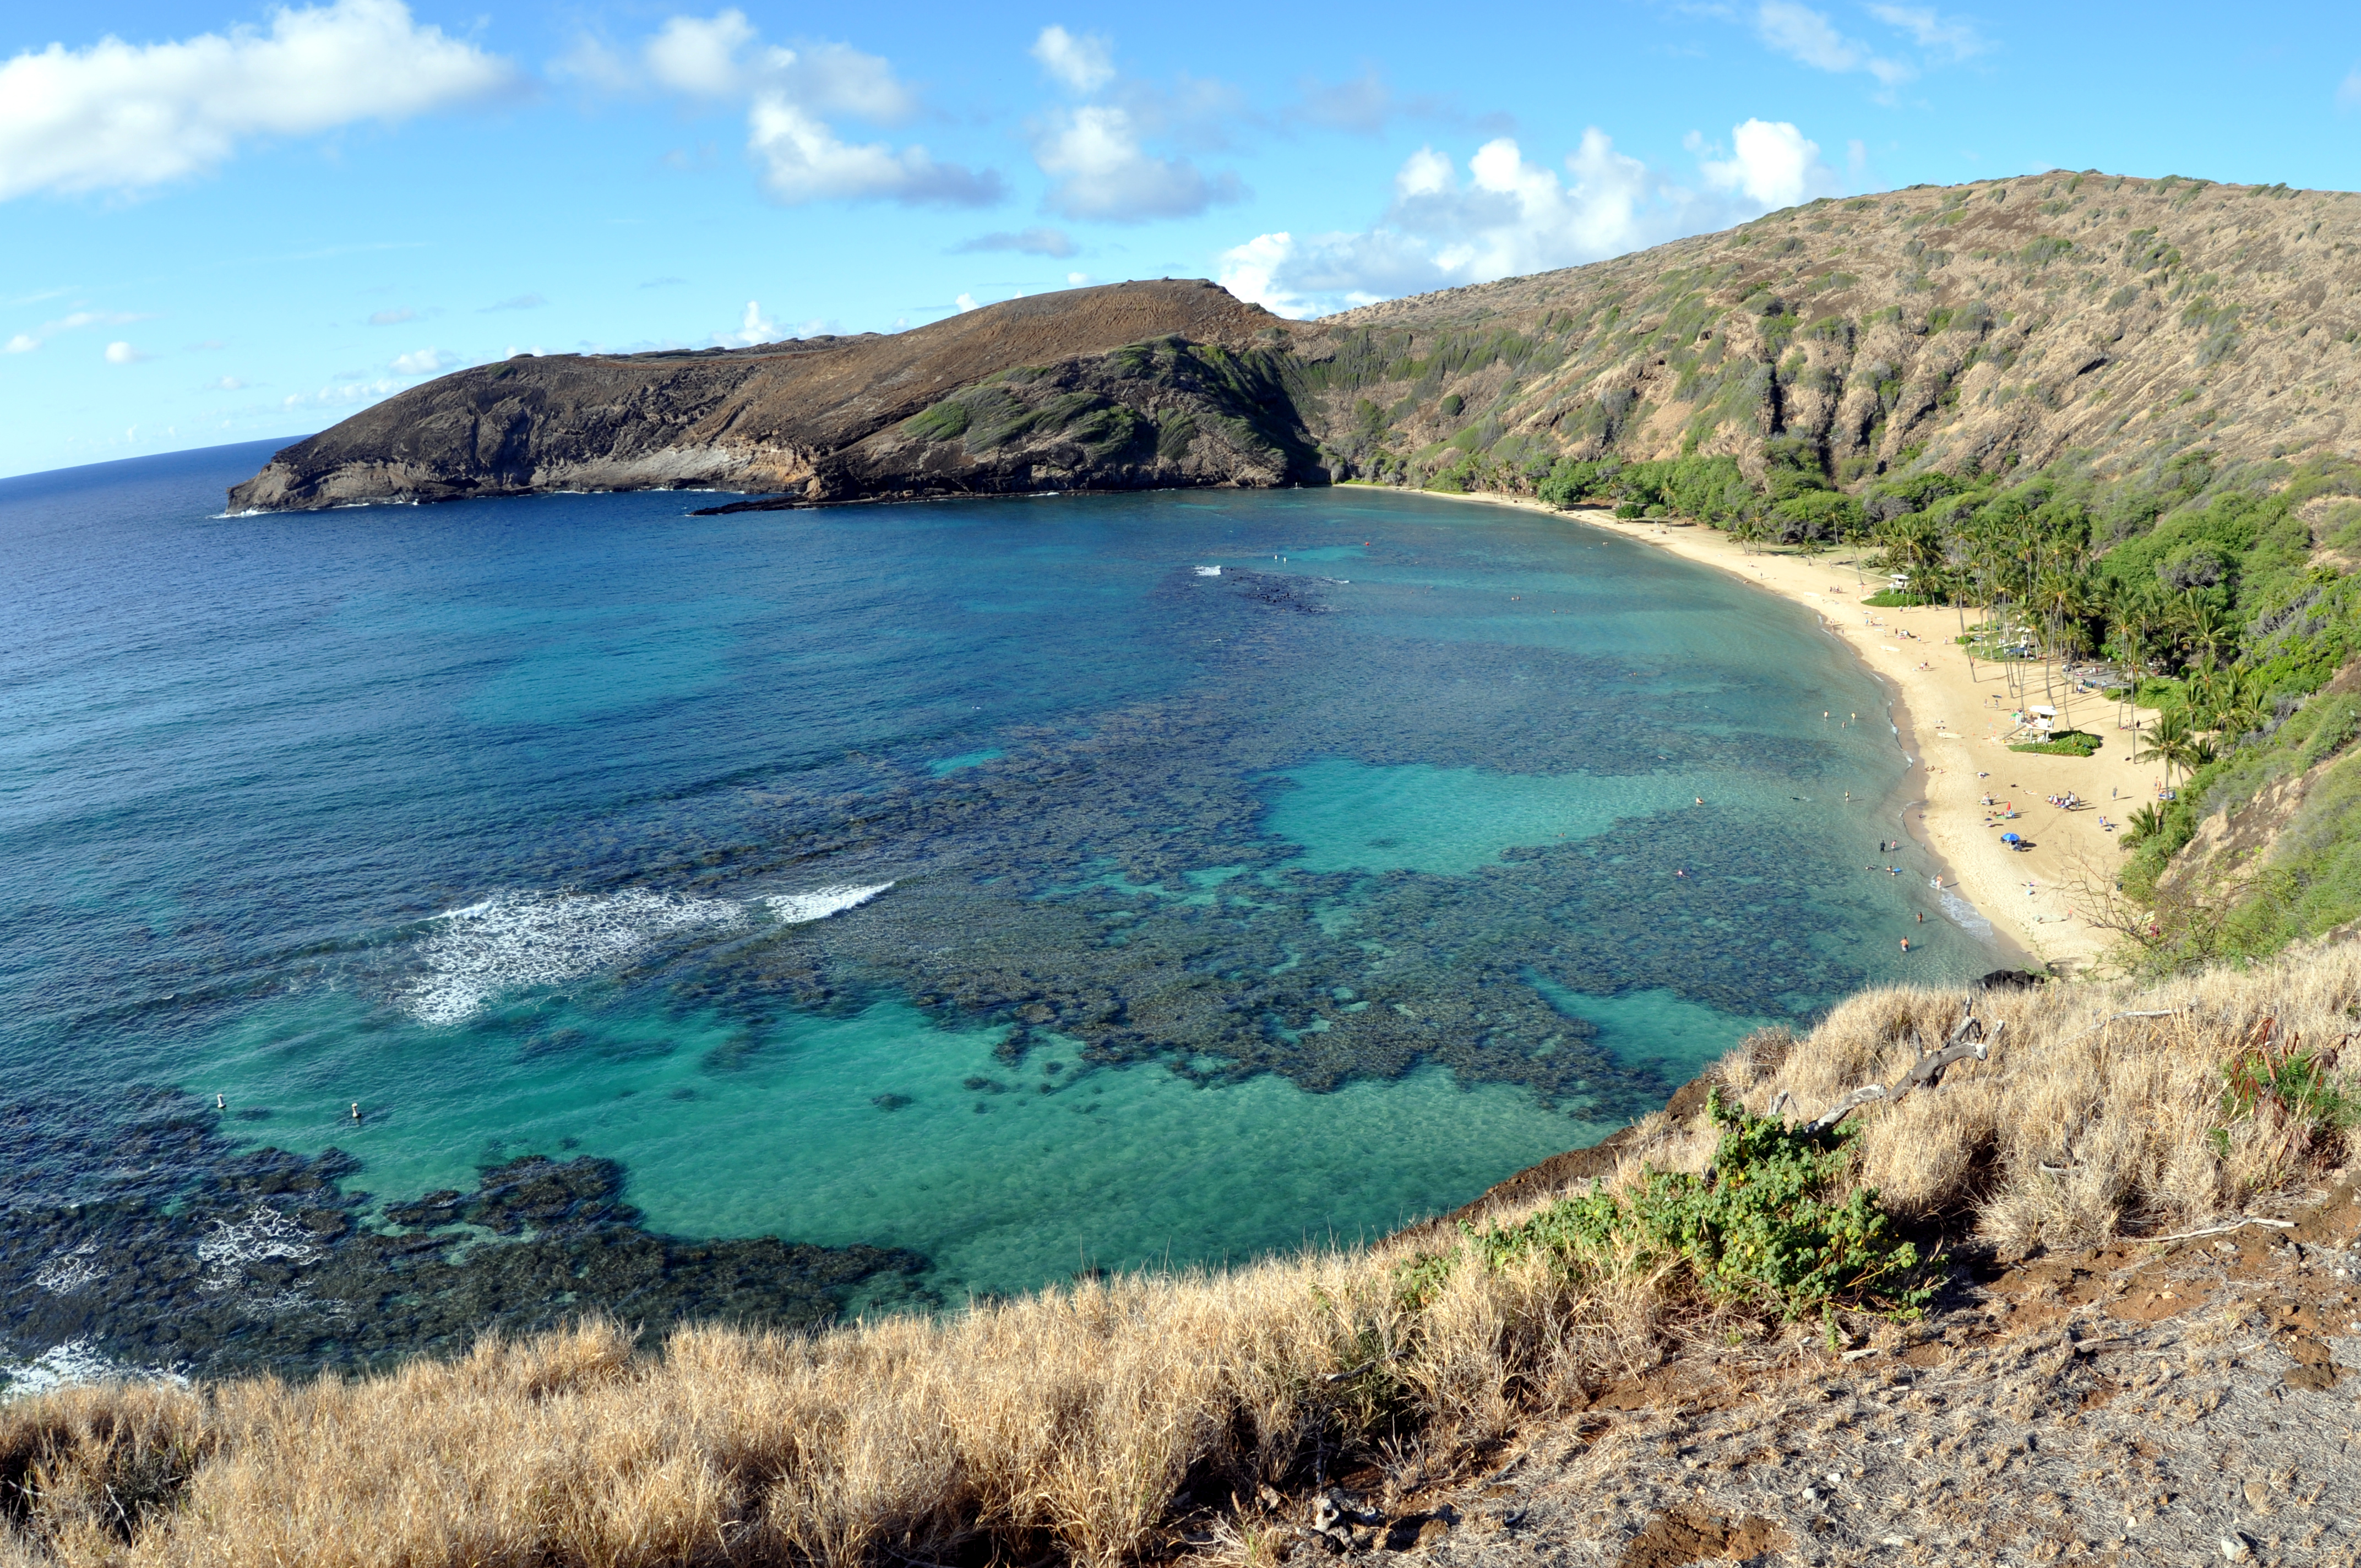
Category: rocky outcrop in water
<point>162,1243</point>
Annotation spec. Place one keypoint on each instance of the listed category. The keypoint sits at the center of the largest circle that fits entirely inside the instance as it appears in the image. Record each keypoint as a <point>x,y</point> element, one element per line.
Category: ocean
<point>423,920</point>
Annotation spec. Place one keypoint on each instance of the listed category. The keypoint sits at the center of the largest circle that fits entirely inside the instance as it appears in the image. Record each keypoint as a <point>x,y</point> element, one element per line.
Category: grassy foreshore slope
<point>1090,1424</point>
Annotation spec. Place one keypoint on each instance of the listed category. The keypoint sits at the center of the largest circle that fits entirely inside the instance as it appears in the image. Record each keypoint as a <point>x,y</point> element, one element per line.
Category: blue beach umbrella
<point>2010,839</point>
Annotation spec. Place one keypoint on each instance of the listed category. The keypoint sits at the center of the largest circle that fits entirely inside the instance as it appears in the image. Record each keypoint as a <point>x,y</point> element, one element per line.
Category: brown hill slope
<point>1974,327</point>
<point>792,416</point>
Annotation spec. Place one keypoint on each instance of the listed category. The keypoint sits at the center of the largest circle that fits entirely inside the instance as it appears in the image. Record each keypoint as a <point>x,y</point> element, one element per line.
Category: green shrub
<point>1762,1227</point>
<point>1819,517</point>
<point>2283,1089</point>
<point>2064,743</point>
<point>1452,404</point>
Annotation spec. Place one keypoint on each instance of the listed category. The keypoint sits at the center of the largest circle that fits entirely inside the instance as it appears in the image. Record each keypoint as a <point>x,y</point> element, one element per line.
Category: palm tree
<point>2172,742</point>
<point>2064,597</point>
<point>2207,625</point>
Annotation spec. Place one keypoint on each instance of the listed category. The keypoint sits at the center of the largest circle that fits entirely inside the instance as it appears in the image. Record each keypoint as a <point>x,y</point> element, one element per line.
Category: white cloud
<point>117,116</point>
<point>393,317</point>
<point>1084,62</point>
<point>754,328</point>
<point>225,384</point>
<point>1509,216</point>
<point>1949,37</point>
<point>1101,172</point>
<point>343,394</point>
<point>964,304</point>
<point>1805,34</point>
<point>804,160</point>
<point>720,58</point>
<point>1772,165</point>
<point>695,55</point>
<point>1027,242</point>
<point>423,362</point>
<point>26,342</point>
<point>791,95</point>
<point>1077,278</point>
<point>120,352</point>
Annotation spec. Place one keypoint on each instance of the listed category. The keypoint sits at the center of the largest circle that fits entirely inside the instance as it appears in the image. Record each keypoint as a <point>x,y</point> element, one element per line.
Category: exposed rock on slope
<point>1974,327</point>
<point>1977,327</point>
<point>1025,395</point>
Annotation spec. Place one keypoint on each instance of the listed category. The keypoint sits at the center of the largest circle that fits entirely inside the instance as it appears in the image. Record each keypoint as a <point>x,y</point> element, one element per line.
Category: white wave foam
<point>70,1271</point>
<point>1208,571</point>
<point>796,908</point>
<point>520,940</point>
<point>263,1234</point>
<point>76,1361</point>
<point>1963,914</point>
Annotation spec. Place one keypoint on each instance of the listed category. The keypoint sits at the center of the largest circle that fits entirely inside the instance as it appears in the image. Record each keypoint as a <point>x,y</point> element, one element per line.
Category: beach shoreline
<point>1950,715</point>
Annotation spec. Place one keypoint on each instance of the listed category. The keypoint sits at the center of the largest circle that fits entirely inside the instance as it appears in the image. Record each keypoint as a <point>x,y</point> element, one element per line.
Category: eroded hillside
<point>1974,328</point>
<point>1970,329</point>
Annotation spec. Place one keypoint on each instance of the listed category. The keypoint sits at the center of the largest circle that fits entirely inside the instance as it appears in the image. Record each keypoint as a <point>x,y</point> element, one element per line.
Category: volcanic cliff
<point>1972,328</point>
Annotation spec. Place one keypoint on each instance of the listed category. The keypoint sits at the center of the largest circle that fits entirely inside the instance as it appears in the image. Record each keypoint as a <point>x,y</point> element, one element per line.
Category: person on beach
<point>1905,947</point>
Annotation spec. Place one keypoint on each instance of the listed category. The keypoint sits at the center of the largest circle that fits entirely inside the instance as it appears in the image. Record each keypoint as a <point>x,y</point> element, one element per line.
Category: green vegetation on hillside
<point>2199,584</point>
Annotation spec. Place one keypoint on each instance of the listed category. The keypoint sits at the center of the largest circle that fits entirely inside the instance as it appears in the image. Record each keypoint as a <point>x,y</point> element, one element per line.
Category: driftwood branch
<point>1845,1107</point>
<point>2219,1230</point>
<point>1967,1040</point>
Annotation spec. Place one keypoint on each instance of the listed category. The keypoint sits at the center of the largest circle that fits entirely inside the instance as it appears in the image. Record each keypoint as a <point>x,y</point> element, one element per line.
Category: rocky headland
<point>1977,329</point>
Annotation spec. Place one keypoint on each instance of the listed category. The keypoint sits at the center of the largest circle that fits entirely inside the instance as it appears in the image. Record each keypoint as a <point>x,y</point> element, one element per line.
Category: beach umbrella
<point>2010,839</point>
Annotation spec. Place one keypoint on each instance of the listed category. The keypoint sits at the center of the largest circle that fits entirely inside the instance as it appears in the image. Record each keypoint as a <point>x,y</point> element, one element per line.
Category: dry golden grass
<point>1070,1421</point>
<point>2122,1114</point>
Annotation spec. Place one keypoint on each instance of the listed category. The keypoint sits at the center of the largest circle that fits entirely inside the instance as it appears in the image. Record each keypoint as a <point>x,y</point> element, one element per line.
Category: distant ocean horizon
<point>421,920</point>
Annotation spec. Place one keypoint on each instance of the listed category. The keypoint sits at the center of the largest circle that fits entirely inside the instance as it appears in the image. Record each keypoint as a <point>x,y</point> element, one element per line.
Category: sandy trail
<point>1954,713</point>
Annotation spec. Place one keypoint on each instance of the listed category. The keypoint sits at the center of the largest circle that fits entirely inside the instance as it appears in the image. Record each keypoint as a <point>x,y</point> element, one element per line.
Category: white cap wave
<point>796,908</point>
<point>518,941</point>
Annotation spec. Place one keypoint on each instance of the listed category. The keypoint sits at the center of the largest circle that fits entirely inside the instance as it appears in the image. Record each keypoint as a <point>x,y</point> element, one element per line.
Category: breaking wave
<point>1963,914</point>
<point>75,1361</point>
<point>516,941</point>
<point>266,1235</point>
<point>794,908</point>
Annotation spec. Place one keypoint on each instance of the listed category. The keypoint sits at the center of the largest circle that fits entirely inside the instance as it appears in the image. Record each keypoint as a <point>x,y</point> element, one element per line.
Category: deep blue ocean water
<point>989,880</point>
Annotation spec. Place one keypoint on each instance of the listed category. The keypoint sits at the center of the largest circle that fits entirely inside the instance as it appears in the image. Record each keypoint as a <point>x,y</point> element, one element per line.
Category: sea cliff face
<point>1981,329</point>
<point>1130,386</point>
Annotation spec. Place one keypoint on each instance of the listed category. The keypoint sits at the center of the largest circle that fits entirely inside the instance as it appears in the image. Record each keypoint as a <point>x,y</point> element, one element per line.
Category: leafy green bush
<point>1760,1227</point>
<point>1570,482</point>
<point>1818,516</point>
<point>1452,404</point>
<point>2064,743</point>
<point>2282,1087</point>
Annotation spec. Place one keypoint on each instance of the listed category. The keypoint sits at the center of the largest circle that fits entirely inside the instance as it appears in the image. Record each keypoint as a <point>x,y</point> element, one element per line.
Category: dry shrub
<point>2080,1122</point>
<point>1072,1421</point>
<point>87,1469</point>
<point>1068,1420</point>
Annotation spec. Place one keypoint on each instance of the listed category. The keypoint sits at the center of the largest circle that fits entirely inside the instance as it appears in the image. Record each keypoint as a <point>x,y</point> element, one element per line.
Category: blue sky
<point>220,222</point>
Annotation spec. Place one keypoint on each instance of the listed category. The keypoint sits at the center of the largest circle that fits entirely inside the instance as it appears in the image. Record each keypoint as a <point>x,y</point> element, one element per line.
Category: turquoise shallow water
<point>990,880</point>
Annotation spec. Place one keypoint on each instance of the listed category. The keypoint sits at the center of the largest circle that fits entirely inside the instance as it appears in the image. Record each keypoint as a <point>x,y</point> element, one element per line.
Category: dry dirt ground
<point>2182,1402</point>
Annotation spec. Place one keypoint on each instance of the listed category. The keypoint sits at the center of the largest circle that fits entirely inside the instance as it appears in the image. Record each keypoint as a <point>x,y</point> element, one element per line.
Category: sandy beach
<point>1954,716</point>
